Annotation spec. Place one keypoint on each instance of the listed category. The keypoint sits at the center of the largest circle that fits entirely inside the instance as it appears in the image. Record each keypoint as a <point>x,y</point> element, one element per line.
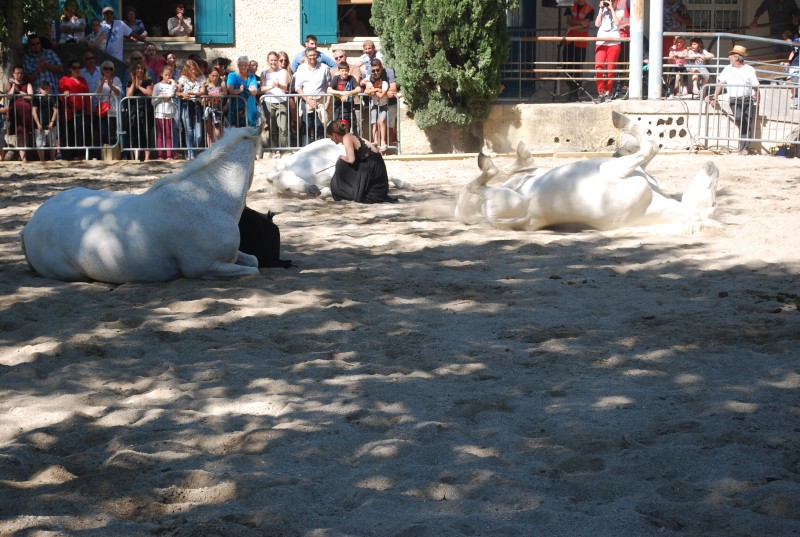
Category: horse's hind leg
<point>523,161</point>
<point>638,144</point>
<point>645,150</point>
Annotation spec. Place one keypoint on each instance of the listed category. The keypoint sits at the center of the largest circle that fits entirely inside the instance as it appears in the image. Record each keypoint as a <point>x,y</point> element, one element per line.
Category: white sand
<point>414,377</point>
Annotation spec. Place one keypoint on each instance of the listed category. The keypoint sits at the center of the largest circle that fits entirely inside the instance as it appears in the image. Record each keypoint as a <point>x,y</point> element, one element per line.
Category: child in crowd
<point>696,58</point>
<point>344,86</point>
<point>212,110</point>
<point>164,103</point>
<point>45,113</point>
<point>677,57</point>
<point>376,87</point>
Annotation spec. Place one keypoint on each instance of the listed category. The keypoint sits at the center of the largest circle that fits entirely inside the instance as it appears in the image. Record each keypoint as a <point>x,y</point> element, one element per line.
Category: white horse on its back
<point>604,193</point>
<point>185,224</point>
<point>309,171</point>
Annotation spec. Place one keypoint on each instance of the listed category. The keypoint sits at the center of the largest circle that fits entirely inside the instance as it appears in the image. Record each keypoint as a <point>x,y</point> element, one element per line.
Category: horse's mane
<point>209,156</point>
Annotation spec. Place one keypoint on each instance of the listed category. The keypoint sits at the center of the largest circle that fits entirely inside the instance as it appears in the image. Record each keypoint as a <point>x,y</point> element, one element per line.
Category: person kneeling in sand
<point>360,173</point>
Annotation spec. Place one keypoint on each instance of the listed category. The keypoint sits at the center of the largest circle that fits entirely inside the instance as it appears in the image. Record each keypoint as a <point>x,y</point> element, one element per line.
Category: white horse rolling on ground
<point>603,193</point>
<point>308,172</point>
<point>184,225</point>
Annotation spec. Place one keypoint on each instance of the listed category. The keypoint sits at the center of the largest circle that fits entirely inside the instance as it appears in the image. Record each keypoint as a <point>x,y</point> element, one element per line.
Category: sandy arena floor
<point>414,376</point>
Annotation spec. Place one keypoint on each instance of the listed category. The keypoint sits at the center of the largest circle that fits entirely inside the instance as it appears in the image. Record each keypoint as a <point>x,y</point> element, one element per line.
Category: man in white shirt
<point>741,82</point>
<point>116,32</point>
<point>311,81</point>
<point>90,72</point>
<point>369,54</point>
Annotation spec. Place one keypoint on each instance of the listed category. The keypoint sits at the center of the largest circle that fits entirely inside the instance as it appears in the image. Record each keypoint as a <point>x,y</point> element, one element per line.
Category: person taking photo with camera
<point>607,49</point>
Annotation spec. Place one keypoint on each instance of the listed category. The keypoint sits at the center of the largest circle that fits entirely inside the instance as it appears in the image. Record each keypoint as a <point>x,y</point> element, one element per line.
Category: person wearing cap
<point>116,32</point>
<point>109,90</point>
<point>741,83</point>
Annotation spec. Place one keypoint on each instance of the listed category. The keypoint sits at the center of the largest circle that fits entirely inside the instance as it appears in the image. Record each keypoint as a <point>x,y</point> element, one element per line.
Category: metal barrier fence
<point>739,122</point>
<point>102,126</point>
<point>540,57</point>
<point>295,120</point>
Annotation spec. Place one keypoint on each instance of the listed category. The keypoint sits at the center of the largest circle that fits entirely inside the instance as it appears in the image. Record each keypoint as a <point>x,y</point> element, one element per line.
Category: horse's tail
<point>699,201</point>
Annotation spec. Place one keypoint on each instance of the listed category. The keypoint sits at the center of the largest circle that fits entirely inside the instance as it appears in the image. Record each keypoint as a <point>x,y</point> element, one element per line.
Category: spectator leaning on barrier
<point>676,19</point>
<point>741,83</point>
<point>311,80</point>
<point>45,113</point>
<point>90,72</point>
<point>793,64</point>
<point>344,87</point>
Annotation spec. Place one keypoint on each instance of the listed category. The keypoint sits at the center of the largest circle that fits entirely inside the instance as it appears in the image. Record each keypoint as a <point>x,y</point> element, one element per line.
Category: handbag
<point>101,110</point>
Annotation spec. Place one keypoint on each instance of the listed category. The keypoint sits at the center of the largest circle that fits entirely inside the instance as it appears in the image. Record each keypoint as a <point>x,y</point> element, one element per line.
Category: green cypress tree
<point>446,55</point>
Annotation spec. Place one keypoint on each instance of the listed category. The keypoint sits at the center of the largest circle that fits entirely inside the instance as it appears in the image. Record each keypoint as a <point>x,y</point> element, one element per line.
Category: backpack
<point>260,236</point>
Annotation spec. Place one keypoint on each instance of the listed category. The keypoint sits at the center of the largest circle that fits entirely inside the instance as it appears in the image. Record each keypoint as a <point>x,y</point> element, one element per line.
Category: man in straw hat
<point>743,95</point>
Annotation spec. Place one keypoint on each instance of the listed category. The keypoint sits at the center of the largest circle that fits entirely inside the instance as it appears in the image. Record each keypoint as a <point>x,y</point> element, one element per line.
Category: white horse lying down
<point>604,193</point>
<point>308,172</point>
<point>185,224</point>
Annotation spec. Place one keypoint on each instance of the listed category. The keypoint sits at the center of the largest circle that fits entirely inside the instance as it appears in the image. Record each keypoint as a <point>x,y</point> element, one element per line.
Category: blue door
<point>214,24</point>
<point>318,17</point>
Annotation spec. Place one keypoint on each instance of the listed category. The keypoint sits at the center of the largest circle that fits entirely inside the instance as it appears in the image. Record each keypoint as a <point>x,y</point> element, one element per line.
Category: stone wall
<point>567,127</point>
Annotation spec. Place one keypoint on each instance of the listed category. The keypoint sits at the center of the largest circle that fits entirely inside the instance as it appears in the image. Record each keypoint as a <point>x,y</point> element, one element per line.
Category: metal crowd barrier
<point>94,126</point>
<point>299,122</point>
<point>736,123</point>
<point>539,57</point>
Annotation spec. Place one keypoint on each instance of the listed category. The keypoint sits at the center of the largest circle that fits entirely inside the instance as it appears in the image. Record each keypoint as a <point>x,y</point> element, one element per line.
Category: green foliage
<point>36,14</point>
<point>446,54</point>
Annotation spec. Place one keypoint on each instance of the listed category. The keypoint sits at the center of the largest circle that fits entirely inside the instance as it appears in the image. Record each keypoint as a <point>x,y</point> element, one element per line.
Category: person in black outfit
<point>360,173</point>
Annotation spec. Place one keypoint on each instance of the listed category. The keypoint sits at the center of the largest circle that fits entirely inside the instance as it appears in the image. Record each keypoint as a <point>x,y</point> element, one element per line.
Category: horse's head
<point>226,164</point>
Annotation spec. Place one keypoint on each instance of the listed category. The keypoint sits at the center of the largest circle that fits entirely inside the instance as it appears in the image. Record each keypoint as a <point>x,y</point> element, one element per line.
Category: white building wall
<point>261,27</point>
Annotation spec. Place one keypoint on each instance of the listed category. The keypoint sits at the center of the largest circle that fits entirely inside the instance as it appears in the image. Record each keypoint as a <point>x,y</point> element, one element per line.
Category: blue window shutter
<point>214,22</point>
<point>318,17</point>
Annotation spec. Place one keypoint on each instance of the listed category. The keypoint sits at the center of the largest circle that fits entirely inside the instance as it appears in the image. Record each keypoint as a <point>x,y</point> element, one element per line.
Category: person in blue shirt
<point>300,57</point>
<point>243,110</point>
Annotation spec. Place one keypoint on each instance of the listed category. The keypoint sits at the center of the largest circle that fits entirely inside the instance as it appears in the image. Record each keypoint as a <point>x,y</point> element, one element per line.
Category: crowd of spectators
<point>187,105</point>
